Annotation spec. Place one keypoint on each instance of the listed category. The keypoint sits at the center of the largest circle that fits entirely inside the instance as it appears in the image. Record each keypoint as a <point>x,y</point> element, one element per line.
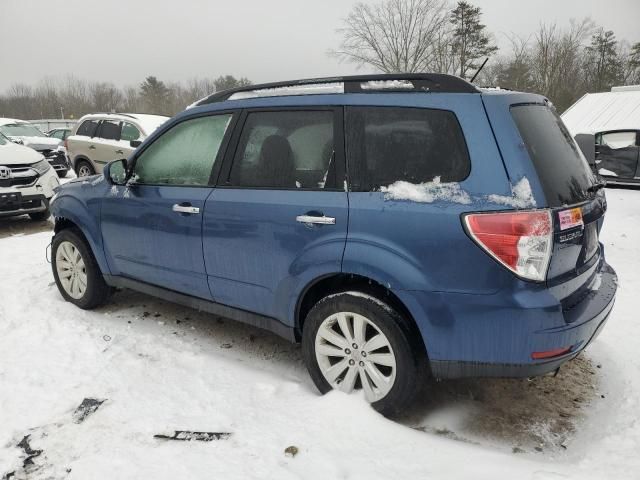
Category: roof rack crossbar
<point>390,82</point>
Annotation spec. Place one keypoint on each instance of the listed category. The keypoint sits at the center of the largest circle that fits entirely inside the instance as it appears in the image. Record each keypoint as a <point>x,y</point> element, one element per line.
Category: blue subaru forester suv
<point>390,224</point>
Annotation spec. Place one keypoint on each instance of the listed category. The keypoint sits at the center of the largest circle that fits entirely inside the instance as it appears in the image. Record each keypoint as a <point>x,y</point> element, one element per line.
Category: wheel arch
<point>67,215</point>
<point>342,282</point>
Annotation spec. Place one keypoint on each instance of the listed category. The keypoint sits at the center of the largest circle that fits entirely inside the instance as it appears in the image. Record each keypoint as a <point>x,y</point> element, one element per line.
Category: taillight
<point>66,145</point>
<point>521,241</point>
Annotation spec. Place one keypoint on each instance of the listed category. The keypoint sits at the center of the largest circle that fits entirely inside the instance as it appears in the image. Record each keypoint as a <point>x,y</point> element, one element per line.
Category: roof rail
<point>389,82</point>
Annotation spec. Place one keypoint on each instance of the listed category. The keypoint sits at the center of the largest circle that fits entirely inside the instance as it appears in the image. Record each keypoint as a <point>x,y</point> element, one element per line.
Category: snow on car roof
<point>6,121</point>
<point>601,112</point>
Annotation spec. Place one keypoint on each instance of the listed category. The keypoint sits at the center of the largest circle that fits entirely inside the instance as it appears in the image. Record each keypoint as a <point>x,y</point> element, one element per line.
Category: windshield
<point>562,169</point>
<point>20,130</point>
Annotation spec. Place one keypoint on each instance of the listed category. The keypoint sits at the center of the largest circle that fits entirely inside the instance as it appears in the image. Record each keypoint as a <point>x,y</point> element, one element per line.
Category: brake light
<point>521,241</point>
<point>66,144</point>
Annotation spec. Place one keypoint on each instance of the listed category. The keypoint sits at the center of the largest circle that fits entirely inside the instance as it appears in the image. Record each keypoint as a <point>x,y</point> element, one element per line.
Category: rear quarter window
<point>562,170</point>
<point>88,128</point>
<point>416,145</point>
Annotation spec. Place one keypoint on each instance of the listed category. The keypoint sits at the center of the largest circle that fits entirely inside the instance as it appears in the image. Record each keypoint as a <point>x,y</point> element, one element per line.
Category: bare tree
<point>394,35</point>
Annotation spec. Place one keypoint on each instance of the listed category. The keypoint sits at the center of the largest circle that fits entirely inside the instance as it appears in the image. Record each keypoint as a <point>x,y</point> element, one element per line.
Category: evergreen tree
<point>470,40</point>
<point>154,95</point>
<point>603,65</point>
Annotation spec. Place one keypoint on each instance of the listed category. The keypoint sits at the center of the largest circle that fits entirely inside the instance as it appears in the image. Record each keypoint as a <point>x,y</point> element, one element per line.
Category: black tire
<point>62,173</point>
<point>84,163</point>
<point>97,291</point>
<point>40,216</point>
<point>410,359</point>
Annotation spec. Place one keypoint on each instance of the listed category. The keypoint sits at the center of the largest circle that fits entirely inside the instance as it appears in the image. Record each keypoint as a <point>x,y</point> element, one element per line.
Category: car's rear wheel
<point>353,341</point>
<point>84,169</point>
<point>76,272</point>
<point>62,173</point>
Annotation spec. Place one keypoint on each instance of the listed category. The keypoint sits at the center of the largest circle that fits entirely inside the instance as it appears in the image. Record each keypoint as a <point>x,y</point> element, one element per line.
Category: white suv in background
<point>100,138</point>
<point>27,181</point>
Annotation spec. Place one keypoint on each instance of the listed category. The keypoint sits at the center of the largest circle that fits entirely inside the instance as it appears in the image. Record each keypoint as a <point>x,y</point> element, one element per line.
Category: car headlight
<point>41,167</point>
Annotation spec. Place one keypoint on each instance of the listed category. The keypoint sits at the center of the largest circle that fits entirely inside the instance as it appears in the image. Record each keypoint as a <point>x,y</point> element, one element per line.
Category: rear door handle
<point>184,208</point>
<point>119,152</point>
<point>92,147</point>
<point>316,220</point>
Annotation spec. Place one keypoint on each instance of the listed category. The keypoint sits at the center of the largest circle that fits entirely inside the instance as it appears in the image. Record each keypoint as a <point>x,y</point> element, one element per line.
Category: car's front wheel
<point>76,272</point>
<point>354,341</point>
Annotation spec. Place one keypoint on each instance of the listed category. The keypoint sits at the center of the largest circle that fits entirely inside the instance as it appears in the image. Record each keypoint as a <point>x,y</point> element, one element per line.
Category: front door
<point>278,217</point>
<point>617,154</point>
<point>152,228</point>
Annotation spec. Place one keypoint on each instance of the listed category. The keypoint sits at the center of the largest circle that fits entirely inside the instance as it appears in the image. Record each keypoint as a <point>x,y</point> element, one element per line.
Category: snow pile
<point>521,196</point>
<point>608,173</point>
<point>427,192</point>
<point>162,367</point>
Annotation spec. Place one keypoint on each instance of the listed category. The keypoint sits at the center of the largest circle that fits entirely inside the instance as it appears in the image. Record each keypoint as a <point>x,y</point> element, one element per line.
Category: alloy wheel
<point>71,270</point>
<point>353,353</point>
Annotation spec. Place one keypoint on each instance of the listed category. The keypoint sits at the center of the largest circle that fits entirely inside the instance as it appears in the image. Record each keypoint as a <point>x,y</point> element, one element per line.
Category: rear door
<point>278,217</point>
<point>152,229</point>
<point>107,147</point>
<point>617,154</point>
<point>82,144</point>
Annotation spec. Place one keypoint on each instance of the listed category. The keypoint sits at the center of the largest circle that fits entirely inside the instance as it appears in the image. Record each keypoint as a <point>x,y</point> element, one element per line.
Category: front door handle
<point>322,220</point>
<point>185,208</point>
<point>92,147</point>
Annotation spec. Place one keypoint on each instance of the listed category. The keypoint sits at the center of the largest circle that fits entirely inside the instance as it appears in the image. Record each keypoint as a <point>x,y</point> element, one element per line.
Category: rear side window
<point>129,132</point>
<point>388,144</point>
<point>110,130</point>
<point>562,169</point>
<point>286,150</point>
<point>88,128</point>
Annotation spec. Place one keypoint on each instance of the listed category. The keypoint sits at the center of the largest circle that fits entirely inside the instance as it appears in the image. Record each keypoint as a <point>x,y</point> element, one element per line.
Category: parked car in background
<point>100,138</point>
<point>24,133</point>
<point>27,181</point>
<point>613,121</point>
<point>391,224</point>
<point>59,133</point>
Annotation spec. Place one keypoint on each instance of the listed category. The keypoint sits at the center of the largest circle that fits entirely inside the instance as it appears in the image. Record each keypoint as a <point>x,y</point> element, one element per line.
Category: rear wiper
<point>596,186</point>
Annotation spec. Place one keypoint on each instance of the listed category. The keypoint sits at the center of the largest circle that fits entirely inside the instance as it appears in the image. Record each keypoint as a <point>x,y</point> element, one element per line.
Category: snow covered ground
<point>161,367</point>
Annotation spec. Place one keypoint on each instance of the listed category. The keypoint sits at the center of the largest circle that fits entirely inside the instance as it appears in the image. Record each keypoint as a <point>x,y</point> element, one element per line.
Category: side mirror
<point>135,143</point>
<point>116,172</point>
<point>587,143</point>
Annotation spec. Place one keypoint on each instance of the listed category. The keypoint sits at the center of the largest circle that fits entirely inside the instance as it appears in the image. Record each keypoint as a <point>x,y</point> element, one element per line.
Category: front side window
<point>286,150</point>
<point>129,132</point>
<point>110,130</point>
<point>185,154</point>
<point>390,144</point>
<point>88,128</point>
<point>617,140</point>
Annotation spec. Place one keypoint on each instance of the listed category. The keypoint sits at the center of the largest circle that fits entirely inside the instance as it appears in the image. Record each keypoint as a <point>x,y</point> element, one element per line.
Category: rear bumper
<point>495,335</point>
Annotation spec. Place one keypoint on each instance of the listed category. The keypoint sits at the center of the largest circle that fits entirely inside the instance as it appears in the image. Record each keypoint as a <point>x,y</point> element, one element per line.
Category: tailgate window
<point>562,169</point>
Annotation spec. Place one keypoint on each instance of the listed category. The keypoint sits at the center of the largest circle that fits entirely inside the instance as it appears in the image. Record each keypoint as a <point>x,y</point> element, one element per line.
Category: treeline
<point>564,64</point>
<point>561,63</point>
<point>73,97</point>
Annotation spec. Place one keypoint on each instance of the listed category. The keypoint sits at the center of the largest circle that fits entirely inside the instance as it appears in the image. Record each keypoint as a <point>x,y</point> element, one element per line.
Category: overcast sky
<point>122,41</point>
